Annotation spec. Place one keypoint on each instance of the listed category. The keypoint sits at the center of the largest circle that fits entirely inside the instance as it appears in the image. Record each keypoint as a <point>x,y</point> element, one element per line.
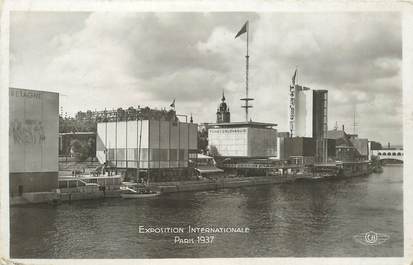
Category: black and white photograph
<point>204,134</point>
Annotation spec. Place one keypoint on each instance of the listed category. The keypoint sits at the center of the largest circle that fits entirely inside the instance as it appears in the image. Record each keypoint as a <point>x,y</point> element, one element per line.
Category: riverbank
<point>163,187</point>
<point>93,192</point>
<point>235,182</point>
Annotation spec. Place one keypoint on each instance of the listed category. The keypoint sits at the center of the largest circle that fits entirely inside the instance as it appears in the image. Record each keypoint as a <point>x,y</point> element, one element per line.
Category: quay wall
<point>52,197</point>
<point>221,184</point>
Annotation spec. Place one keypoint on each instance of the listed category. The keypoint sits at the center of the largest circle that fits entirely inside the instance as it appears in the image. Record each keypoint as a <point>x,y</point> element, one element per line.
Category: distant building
<point>223,114</point>
<point>33,143</point>
<point>304,148</point>
<point>243,139</point>
<point>308,117</point>
<point>349,147</point>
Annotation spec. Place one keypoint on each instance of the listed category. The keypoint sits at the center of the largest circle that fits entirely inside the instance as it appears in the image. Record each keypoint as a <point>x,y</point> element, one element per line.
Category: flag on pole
<point>295,74</point>
<point>173,104</point>
<point>242,30</point>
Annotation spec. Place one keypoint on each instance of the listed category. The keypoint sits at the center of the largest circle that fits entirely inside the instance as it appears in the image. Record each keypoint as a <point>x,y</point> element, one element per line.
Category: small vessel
<point>135,191</point>
<point>315,177</point>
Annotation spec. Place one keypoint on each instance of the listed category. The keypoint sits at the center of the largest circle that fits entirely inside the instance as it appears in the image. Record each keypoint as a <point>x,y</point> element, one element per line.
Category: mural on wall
<point>27,131</point>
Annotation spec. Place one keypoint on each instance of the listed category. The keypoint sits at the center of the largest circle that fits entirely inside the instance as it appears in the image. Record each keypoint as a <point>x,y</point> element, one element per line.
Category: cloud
<point>110,60</point>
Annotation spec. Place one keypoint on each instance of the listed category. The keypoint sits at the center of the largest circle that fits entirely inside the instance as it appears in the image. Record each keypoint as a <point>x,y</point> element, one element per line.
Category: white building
<point>307,114</point>
<point>154,143</point>
<point>301,111</point>
<point>243,139</point>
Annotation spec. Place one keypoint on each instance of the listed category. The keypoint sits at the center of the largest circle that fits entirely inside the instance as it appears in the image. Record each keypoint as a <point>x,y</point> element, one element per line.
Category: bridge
<point>387,154</point>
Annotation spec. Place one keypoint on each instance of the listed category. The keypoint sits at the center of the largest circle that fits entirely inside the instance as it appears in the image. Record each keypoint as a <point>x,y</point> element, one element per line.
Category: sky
<point>110,60</point>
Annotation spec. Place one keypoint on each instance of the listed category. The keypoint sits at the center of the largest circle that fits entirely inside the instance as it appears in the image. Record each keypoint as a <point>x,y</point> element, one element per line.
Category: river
<point>302,219</point>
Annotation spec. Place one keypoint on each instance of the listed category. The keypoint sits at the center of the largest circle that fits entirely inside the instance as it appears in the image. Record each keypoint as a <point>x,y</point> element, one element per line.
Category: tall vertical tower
<point>320,114</point>
<point>223,114</point>
<point>320,106</point>
<point>301,111</point>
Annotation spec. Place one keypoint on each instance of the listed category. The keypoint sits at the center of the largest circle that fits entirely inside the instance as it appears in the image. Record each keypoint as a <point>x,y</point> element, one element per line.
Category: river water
<point>302,219</point>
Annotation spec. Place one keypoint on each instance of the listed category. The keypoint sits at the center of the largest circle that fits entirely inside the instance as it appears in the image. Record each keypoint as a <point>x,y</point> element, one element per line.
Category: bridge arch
<point>389,155</point>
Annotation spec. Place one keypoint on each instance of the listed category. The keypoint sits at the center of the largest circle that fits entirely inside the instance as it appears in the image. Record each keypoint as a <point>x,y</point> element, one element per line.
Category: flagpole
<point>246,79</point>
<point>244,29</point>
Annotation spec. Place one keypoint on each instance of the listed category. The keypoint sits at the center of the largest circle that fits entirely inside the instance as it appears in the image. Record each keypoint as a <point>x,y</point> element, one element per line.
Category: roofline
<point>35,90</point>
<point>148,120</point>
<point>78,133</point>
<point>243,123</point>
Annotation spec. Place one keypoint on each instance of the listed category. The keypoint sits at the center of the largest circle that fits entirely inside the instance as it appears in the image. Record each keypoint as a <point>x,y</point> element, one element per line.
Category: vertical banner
<point>291,112</point>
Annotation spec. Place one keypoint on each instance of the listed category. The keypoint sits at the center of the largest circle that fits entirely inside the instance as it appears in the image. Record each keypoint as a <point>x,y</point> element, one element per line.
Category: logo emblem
<point>371,238</point>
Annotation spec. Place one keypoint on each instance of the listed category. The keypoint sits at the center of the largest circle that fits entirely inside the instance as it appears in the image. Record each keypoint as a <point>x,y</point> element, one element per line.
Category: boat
<point>315,177</point>
<point>133,191</point>
<point>132,194</point>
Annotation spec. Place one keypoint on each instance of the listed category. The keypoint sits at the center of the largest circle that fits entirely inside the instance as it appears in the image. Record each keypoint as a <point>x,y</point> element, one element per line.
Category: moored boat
<point>133,191</point>
<point>137,195</point>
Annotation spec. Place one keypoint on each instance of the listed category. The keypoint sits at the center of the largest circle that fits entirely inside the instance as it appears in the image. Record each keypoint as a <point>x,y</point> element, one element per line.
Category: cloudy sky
<point>109,60</point>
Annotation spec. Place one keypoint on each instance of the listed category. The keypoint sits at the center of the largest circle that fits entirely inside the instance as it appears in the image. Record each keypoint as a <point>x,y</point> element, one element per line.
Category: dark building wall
<point>32,182</point>
<point>309,147</point>
<point>347,154</point>
<point>320,105</point>
<point>299,146</point>
<point>331,148</point>
<point>362,146</point>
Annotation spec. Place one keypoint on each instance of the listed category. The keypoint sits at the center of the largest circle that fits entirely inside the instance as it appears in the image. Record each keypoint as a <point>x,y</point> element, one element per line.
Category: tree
<point>202,139</point>
<point>376,146</point>
<point>75,147</point>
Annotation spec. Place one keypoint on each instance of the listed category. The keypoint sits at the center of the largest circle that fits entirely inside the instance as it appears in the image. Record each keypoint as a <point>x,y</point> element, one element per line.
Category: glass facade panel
<point>173,155</point>
<point>144,154</point>
<point>173,163</point>
<point>163,155</point>
<point>111,154</point>
<point>131,154</point>
<point>120,154</point>
<point>132,164</point>
<point>164,164</point>
<point>182,156</point>
<point>154,164</point>
<point>154,154</point>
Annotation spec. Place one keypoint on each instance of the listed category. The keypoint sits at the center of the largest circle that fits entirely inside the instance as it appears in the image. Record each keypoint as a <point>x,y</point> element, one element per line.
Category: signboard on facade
<point>226,131</point>
<point>291,112</point>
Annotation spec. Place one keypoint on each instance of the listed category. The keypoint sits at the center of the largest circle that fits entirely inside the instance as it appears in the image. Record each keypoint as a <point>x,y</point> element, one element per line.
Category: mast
<point>139,147</point>
<point>247,57</point>
<point>354,121</point>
